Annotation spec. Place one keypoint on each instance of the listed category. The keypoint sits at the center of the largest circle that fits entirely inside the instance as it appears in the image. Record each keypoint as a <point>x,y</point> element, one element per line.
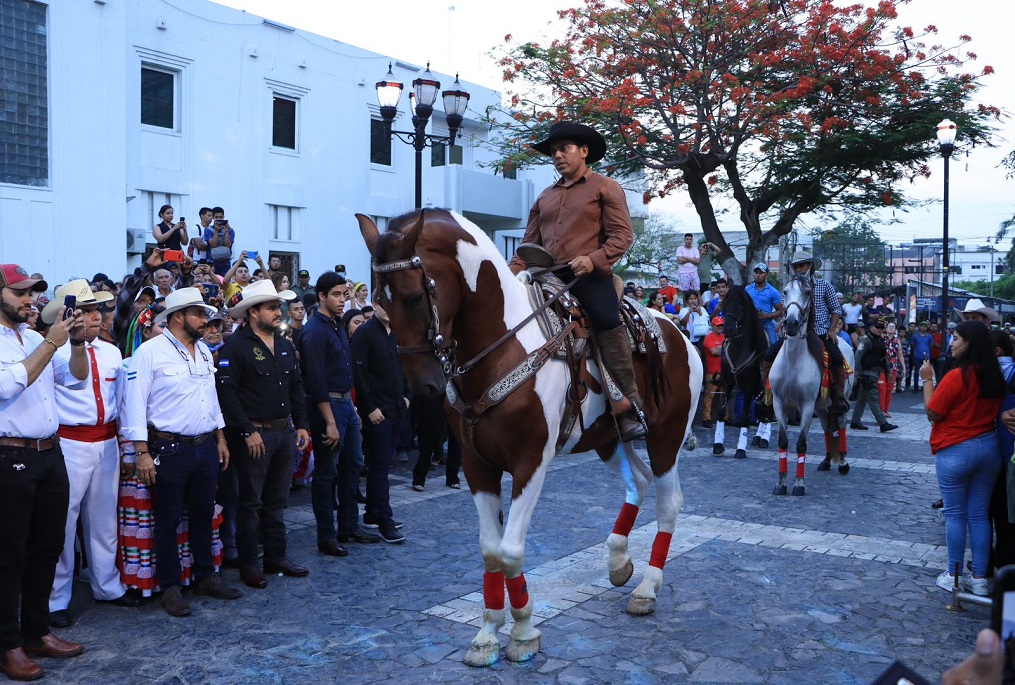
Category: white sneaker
<point>978,586</point>
<point>946,581</point>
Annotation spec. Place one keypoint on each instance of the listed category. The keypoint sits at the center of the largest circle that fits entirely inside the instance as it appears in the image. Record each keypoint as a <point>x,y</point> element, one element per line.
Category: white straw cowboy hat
<point>259,293</point>
<point>801,257</point>
<point>80,289</point>
<point>976,306</point>
<point>182,299</point>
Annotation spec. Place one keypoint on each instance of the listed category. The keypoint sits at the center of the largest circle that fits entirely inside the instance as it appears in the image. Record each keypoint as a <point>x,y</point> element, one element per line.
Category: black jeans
<point>186,476</point>
<point>264,492</point>
<point>34,494</point>
<point>340,466</point>
<point>598,298</point>
<point>378,454</point>
<point>429,411</point>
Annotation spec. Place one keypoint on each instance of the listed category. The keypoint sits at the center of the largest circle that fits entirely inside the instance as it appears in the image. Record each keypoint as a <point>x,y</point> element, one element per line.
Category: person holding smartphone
<point>169,235</point>
<point>218,240</point>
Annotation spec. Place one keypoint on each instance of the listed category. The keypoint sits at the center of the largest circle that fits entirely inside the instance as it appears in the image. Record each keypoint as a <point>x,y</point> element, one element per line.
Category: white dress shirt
<point>81,407</point>
<point>170,390</point>
<point>29,411</point>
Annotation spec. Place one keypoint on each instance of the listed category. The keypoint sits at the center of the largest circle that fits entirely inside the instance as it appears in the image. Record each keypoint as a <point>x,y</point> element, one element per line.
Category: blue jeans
<point>336,467</point>
<point>186,476</point>
<point>965,474</point>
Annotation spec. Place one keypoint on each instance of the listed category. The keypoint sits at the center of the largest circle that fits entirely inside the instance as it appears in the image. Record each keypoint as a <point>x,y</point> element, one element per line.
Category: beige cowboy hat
<point>976,306</point>
<point>801,257</point>
<point>259,293</point>
<point>182,299</point>
<point>80,289</point>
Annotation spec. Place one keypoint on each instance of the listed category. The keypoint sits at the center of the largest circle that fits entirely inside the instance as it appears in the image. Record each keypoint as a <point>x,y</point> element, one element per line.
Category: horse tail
<point>658,389</point>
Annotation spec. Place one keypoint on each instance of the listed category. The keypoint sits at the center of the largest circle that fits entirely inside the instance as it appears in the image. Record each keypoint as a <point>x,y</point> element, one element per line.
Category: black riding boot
<point>616,351</point>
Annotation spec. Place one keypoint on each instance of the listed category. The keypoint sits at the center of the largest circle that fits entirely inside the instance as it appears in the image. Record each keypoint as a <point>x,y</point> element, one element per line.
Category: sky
<point>458,35</point>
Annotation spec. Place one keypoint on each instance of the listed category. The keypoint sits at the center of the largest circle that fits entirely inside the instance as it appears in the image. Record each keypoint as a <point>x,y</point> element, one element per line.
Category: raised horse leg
<point>485,647</point>
<point>636,476</point>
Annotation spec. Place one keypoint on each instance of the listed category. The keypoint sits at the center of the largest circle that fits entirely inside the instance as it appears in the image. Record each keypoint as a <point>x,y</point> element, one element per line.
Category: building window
<point>999,269</point>
<point>24,106</point>
<point>284,222</point>
<point>380,143</point>
<point>455,155</point>
<point>158,97</point>
<point>283,122</point>
<point>438,153</point>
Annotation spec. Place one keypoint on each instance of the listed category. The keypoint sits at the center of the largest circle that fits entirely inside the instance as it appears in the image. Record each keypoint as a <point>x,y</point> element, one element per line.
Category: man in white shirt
<point>172,415</point>
<point>851,313</point>
<point>688,257</point>
<point>33,480</point>
<point>88,441</point>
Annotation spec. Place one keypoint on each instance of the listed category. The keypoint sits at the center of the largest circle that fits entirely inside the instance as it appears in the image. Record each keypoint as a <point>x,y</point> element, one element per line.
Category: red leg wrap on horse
<point>828,442</point>
<point>842,441</point>
<point>493,590</point>
<point>783,467</point>
<point>660,550</point>
<point>518,591</point>
<point>800,459</point>
<point>625,521</point>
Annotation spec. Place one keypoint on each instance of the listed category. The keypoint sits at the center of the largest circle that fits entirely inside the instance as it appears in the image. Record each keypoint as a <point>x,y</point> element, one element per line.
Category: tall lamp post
<point>421,101</point>
<point>946,131</point>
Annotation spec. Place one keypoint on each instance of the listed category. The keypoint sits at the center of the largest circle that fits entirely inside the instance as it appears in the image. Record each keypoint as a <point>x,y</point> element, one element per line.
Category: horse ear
<point>411,234</point>
<point>368,229</point>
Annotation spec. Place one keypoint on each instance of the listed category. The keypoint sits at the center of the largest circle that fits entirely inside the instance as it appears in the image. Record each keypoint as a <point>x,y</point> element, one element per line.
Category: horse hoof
<point>779,490</point>
<point>623,574</point>
<point>740,454</point>
<point>844,469</point>
<point>718,449</point>
<point>763,444</point>
<point>798,490</point>
<point>691,443</point>
<point>641,606</point>
<point>522,650</point>
<point>483,655</point>
<point>756,441</point>
<point>826,465</point>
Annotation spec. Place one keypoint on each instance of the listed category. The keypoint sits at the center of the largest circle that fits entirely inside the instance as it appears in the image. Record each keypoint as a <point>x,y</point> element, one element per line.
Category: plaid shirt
<point>825,304</point>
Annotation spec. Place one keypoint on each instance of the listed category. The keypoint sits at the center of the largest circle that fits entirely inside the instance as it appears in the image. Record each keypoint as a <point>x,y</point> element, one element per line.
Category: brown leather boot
<point>839,404</point>
<point>616,351</point>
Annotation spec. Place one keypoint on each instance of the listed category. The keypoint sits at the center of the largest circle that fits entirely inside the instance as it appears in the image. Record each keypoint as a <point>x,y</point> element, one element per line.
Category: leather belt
<point>340,395</point>
<point>274,424</point>
<point>183,439</point>
<point>88,433</point>
<point>34,444</point>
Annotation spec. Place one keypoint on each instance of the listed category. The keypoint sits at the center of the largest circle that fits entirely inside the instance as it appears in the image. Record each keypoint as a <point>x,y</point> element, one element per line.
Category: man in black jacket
<point>382,397</point>
<point>261,394</point>
<point>871,361</point>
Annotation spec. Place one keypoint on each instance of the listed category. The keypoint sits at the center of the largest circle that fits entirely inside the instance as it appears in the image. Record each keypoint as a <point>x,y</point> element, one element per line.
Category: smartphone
<point>211,290</point>
<point>900,674</point>
<point>71,303</point>
<point>1002,616</point>
<point>182,220</point>
<point>221,222</point>
<point>173,255</point>
<point>252,254</point>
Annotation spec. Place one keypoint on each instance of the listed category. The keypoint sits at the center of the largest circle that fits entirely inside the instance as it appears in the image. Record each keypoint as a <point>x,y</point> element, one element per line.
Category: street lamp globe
<point>388,93</point>
<point>456,101</point>
<point>425,88</point>
<point>946,131</point>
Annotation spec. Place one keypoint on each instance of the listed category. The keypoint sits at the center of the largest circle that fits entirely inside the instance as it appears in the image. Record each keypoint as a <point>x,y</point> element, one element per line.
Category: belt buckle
<point>201,439</point>
<point>38,444</point>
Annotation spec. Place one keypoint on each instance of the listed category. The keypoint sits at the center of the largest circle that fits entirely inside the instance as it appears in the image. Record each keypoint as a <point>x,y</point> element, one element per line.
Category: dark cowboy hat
<point>579,133</point>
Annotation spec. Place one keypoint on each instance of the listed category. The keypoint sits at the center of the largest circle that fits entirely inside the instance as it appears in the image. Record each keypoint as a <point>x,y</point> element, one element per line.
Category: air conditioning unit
<point>136,238</point>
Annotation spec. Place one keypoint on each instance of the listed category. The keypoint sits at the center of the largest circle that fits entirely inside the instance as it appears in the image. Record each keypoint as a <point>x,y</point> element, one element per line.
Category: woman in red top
<point>963,409</point>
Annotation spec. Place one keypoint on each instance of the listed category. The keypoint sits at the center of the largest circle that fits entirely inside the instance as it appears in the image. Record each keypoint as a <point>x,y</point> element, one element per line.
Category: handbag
<point>699,325</point>
<point>221,253</point>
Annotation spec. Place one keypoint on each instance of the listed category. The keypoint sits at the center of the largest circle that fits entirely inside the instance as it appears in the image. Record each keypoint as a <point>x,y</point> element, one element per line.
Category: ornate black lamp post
<point>946,131</point>
<point>421,101</point>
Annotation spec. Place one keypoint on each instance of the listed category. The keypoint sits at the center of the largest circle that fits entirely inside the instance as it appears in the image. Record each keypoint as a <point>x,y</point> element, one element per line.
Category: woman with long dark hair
<point>963,409</point>
<point>169,235</point>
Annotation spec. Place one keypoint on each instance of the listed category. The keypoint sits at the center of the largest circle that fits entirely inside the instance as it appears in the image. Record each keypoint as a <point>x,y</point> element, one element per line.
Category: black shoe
<point>885,427</point>
<point>373,526</point>
<point>332,549</point>
<point>858,427</point>
<point>60,619</point>
<point>252,577</point>
<point>360,498</point>
<point>360,537</point>
<point>130,598</point>
<point>231,563</point>
<point>390,534</point>
<point>938,505</point>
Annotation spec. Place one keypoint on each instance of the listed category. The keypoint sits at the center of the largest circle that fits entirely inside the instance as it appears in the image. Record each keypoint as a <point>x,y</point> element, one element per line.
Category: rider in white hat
<point>975,310</point>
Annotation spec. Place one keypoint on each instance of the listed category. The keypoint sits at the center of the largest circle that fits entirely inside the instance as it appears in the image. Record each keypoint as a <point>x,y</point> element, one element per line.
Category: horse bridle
<point>805,312</point>
<point>442,349</point>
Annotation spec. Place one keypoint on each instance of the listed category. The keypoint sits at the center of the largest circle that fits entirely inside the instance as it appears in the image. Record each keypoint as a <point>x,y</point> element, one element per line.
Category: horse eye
<point>414,301</point>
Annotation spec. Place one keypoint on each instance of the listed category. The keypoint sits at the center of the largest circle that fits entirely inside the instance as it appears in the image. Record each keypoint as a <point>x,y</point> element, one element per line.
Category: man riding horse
<point>583,221</point>
<point>826,314</point>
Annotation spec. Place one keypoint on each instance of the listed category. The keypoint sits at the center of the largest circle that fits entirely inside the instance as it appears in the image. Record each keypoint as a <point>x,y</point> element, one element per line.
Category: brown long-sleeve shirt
<point>588,218</point>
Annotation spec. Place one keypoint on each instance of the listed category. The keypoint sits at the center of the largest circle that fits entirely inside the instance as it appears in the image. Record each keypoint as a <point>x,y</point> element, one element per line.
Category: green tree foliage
<point>770,109</point>
<point>654,251</point>
<point>854,257</point>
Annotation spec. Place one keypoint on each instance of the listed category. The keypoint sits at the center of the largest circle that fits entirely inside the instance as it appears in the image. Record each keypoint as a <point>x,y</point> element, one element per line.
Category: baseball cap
<point>14,277</point>
<point>875,323</point>
<point>717,321</point>
<point>952,325</point>
<point>303,273</point>
<point>761,266</point>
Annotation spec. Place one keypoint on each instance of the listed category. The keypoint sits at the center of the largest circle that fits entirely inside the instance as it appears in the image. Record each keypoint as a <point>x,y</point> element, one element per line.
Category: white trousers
<point>93,469</point>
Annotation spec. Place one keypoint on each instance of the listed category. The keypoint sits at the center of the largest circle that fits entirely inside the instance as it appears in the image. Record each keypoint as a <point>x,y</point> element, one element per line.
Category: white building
<point>112,108</point>
<point>983,263</point>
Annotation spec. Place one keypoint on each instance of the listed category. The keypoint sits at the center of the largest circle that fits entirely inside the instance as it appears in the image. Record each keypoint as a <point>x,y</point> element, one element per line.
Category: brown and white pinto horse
<point>455,307</point>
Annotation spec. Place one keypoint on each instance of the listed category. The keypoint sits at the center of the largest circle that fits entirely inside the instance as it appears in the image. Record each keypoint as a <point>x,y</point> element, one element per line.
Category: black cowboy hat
<point>579,133</point>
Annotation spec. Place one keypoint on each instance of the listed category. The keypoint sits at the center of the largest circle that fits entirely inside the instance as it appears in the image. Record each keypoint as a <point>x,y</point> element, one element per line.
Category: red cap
<point>717,321</point>
<point>14,277</point>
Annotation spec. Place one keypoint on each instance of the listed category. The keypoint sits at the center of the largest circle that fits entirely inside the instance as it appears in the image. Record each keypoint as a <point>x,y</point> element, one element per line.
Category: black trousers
<point>598,298</point>
<point>432,433</point>
<point>34,494</point>
<point>379,454</point>
<point>264,493</point>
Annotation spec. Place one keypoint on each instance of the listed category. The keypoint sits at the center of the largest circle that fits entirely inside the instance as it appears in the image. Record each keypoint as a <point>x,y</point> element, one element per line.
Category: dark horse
<point>742,355</point>
<point>462,320</point>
